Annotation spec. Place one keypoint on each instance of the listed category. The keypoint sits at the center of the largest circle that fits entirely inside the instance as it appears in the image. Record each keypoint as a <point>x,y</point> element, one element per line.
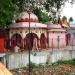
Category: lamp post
<point>29,47</point>
<point>27,8</point>
<point>29,44</point>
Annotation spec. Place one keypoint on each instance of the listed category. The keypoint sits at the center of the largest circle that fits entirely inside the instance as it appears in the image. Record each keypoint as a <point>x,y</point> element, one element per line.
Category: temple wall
<point>57,39</point>
<point>18,60</point>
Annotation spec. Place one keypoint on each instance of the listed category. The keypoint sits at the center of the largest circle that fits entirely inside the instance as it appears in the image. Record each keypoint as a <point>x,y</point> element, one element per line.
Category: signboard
<point>1,45</point>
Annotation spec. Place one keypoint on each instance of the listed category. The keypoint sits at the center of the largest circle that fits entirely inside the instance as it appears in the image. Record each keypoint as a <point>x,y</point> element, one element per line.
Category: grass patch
<point>66,62</point>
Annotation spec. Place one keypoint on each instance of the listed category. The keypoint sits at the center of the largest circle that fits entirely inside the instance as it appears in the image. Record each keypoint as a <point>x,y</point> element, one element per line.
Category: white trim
<point>26,24</point>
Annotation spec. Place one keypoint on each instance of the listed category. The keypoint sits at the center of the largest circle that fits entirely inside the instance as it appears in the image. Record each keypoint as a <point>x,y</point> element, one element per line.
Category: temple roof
<point>23,21</point>
<point>26,25</point>
<point>25,17</point>
<point>54,26</point>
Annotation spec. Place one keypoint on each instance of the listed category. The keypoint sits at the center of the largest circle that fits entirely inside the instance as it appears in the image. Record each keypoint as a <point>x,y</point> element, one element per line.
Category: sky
<point>68,10</point>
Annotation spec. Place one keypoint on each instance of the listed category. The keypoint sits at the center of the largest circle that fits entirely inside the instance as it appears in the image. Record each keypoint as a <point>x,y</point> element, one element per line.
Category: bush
<point>67,62</point>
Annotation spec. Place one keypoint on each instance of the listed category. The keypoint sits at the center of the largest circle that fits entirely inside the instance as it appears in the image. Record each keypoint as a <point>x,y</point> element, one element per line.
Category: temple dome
<point>51,25</point>
<point>25,17</point>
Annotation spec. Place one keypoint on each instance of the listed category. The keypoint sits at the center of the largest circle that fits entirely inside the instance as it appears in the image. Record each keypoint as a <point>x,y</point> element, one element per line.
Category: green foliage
<point>47,63</point>
<point>49,4</point>
<point>9,9</point>
<point>67,62</point>
<point>32,65</point>
<point>43,17</point>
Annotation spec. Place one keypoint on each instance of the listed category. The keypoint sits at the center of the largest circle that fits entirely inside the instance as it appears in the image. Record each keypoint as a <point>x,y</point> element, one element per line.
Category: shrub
<point>67,62</point>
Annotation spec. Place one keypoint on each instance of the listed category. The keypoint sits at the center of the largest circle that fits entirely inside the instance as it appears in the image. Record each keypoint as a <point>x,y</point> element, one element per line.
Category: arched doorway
<point>73,39</point>
<point>43,41</point>
<point>68,38</point>
<point>16,39</point>
<point>29,41</point>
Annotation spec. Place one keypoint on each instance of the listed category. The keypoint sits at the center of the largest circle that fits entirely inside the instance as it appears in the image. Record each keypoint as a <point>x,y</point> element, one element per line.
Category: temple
<point>47,35</point>
<point>27,33</point>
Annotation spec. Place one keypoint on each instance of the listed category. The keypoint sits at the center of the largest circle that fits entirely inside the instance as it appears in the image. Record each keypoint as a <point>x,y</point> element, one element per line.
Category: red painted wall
<point>1,45</point>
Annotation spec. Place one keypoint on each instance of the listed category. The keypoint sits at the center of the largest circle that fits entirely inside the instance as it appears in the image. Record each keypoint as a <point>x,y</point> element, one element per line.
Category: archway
<point>16,39</point>
<point>73,39</point>
<point>68,38</point>
<point>29,41</point>
<point>43,41</point>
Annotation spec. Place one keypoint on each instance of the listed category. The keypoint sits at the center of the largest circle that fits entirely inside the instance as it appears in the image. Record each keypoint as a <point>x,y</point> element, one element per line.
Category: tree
<point>10,9</point>
<point>7,11</point>
<point>43,16</point>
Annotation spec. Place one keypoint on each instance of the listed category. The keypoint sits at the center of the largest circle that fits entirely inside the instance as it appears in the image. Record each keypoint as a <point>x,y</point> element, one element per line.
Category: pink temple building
<point>47,35</point>
<point>27,33</point>
<point>56,36</point>
<point>19,32</point>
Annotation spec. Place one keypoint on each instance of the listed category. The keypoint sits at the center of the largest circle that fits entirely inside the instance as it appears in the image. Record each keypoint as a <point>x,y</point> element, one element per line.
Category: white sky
<point>68,10</point>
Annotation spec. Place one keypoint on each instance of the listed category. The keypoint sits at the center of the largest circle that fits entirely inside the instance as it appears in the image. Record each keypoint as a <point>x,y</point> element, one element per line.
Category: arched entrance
<point>68,38</point>
<point>43,41</point>
<point>29,41</point>
<point>16,39</point>
<point>73,39</point>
